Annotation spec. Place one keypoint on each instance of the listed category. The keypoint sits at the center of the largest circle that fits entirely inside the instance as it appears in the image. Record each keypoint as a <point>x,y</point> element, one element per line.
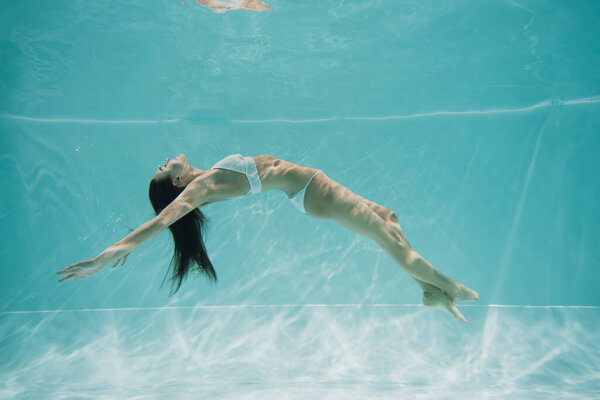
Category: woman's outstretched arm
<point>198,192</point>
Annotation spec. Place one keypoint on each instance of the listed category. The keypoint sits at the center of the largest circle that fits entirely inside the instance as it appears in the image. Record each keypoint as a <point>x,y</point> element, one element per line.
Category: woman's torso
<point>278,174</point>
<point>274,174</point>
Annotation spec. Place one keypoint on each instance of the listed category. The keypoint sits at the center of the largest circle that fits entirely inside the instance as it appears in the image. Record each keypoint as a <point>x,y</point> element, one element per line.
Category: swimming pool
<point>477,123</point>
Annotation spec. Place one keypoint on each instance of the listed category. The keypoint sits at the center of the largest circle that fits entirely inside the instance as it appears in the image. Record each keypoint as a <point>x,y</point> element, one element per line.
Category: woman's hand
<point>87,268</point>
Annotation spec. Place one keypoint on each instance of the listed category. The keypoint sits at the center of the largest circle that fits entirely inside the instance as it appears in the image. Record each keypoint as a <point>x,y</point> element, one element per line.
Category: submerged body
<point>321,197</point>
<point>311,191</point>
<point>263,173</point>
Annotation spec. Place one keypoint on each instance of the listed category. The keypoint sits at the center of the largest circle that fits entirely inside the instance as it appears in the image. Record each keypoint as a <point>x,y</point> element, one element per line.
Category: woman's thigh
<point>328,199</point>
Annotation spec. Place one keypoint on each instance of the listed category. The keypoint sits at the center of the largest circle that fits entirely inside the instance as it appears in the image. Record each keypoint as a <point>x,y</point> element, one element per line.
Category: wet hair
<point>187,235</point>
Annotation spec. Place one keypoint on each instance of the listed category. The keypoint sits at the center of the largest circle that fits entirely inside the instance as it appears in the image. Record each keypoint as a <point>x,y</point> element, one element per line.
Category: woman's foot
<point>463,293</point>
<point>436,298</point>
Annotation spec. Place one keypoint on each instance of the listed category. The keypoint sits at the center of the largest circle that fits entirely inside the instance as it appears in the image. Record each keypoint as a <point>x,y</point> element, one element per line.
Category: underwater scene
<point>476,123</point>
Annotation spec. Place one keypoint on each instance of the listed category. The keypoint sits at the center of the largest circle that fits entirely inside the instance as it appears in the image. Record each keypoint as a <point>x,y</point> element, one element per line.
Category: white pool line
<point>90,121</point>
<point>247,306</point>
<point>543,104</point>
<point>284,120</point>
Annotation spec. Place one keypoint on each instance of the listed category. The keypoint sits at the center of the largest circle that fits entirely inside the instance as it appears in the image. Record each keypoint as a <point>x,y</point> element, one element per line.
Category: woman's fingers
<point>75,271</point>
<point>67,270</point>
<point>70,268</point>
<point>85,268</point>
<point>122,259</point>
<point>68,278</point>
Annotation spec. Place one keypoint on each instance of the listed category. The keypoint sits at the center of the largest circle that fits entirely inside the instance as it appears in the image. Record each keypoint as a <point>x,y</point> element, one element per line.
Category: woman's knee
<point>393,238</point>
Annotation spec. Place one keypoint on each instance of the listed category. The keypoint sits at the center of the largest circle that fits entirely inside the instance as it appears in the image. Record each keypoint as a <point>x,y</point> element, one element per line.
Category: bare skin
<point>325,199</point>
<point>328,199</point>
<point>252,5</point>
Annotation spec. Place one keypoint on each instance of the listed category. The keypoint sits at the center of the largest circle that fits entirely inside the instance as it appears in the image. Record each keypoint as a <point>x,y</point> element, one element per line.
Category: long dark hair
<point>187,234</point>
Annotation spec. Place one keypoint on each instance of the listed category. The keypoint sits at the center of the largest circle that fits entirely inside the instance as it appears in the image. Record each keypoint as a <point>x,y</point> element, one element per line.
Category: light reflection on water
<point>302,352</point>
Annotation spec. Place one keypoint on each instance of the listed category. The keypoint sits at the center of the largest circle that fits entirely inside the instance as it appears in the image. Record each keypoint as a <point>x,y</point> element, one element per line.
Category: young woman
<point>178,190</point>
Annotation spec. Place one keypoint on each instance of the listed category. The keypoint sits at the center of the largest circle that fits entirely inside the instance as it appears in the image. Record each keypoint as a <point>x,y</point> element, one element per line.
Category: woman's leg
<point>432,295</point>
<point>362,216</point>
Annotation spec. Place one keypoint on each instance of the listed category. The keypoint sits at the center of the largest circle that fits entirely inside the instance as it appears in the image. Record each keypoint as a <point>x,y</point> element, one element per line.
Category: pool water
<point>477,123</point>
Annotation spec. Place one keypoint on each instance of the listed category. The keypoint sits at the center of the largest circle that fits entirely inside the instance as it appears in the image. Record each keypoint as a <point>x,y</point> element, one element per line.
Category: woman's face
<point>174,168</point>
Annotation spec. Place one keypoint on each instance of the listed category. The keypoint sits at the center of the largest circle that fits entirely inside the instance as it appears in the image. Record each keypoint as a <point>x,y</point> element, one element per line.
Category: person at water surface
<point>228,5</point>
<point>178,190</point>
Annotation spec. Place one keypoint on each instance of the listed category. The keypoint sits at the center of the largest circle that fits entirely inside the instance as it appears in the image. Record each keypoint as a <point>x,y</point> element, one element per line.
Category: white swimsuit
<point>243,165</point>
<point>297,199</point>
<point>247,166</point>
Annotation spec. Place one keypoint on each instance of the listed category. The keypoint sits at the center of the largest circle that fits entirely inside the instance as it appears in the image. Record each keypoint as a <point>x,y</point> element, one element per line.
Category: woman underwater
<point>178,190</point>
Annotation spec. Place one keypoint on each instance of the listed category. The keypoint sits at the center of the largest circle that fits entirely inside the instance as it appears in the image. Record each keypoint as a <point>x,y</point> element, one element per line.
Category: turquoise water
<point>477,123</point>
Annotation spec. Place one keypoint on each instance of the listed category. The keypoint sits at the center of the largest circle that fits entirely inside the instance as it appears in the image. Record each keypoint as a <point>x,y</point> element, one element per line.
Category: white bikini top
<point>243,165</point>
